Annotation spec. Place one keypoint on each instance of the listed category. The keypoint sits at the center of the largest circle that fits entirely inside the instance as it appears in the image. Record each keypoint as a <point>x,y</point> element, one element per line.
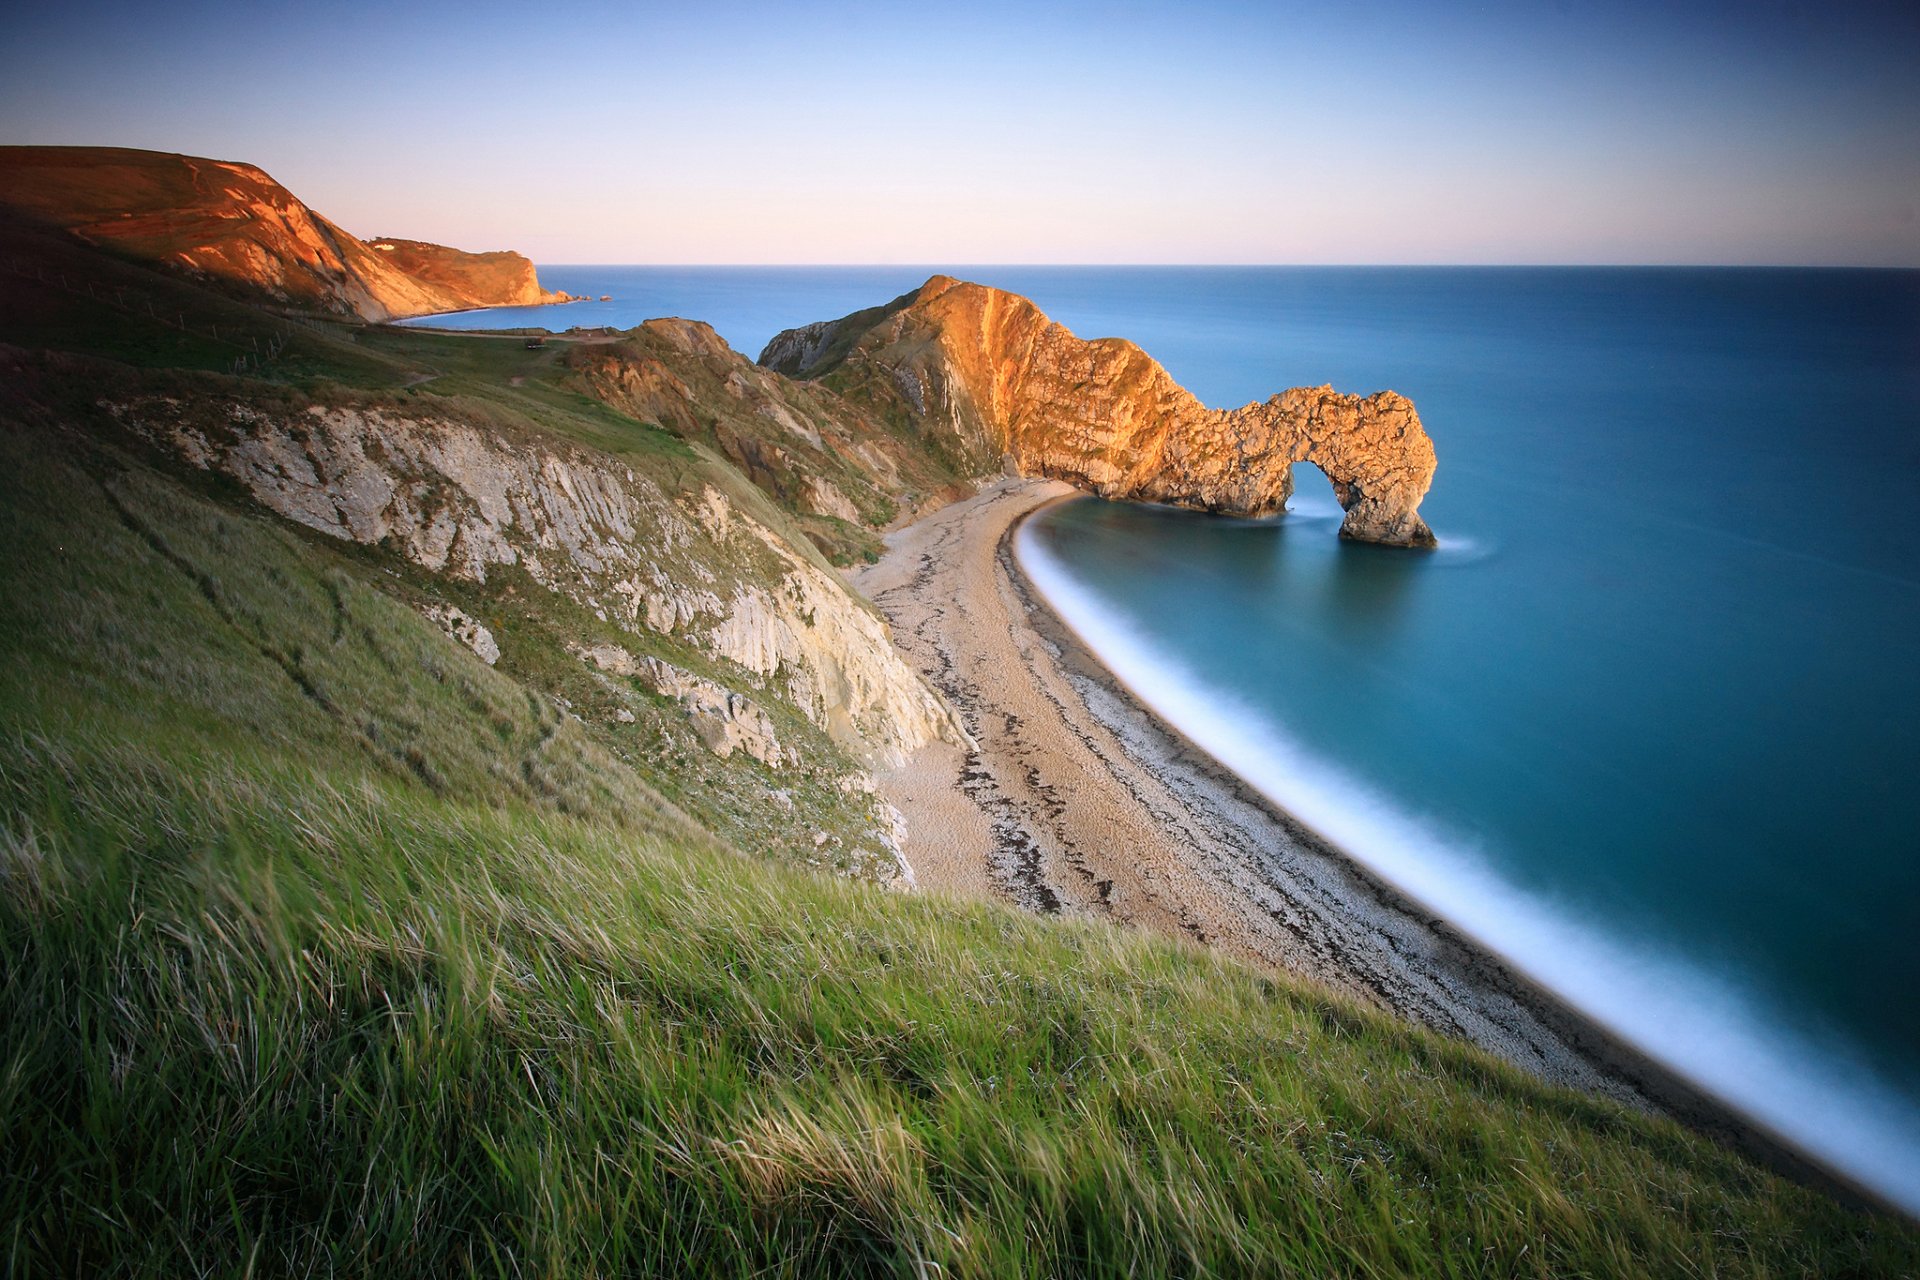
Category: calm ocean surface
<point>1648,722</point>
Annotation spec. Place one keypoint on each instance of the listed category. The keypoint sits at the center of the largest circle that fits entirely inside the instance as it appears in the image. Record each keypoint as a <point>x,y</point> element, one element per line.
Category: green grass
<point>296,1020</point>
<point>325,948</point>
<point>134,607</point>
<point>161,604</point>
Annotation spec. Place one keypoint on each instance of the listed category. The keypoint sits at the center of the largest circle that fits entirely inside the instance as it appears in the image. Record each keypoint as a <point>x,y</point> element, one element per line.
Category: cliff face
<point>497,279</point>
<point>233,225</point>
<point>989,370</point>
<point>462,501</point>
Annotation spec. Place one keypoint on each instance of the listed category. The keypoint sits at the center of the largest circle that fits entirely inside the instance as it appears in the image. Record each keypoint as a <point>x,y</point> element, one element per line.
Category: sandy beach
<point>1077,800</point>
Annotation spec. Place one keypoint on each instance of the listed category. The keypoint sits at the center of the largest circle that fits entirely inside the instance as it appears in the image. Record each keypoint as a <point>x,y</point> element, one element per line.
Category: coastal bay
<point>1075,798</point>
<point>1323,686</point>
<point>1603,728</point>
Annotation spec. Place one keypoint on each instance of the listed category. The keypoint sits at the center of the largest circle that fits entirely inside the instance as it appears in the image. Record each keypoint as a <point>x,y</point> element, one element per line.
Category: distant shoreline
<point>1079,799</point>
<point>412,322</point>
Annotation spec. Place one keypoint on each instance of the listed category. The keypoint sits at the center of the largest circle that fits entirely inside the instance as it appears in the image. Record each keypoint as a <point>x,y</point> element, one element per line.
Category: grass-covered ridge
<point>308,1021</point>
<point>326,948</point>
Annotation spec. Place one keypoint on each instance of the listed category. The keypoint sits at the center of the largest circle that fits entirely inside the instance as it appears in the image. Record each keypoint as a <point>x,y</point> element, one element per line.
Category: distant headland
<point>233,225</point>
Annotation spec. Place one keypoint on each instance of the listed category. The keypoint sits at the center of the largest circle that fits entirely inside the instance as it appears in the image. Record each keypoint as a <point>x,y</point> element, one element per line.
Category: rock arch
<point>995,373</point>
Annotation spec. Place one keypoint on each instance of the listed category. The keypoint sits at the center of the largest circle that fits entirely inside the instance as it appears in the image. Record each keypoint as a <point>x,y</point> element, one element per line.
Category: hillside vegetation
<point>327,946</point>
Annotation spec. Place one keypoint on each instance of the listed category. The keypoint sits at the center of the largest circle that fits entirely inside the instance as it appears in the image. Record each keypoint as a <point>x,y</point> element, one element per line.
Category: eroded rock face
<point>724,721</point>
<point>466,502</point>
<point>461,628</point>
<point>990,369</point>
<point>233,224</point>
<point>811,451</point>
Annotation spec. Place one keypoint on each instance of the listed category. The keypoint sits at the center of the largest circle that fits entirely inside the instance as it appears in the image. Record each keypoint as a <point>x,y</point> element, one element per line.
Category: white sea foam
<point>1805,1087</point>
<point>1459,549</point>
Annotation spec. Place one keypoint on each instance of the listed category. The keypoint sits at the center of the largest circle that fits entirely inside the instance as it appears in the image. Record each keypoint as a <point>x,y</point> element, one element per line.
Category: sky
<point>990,132</point>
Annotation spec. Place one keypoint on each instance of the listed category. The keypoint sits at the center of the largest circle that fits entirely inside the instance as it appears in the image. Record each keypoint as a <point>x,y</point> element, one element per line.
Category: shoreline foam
<point>1072,764</point>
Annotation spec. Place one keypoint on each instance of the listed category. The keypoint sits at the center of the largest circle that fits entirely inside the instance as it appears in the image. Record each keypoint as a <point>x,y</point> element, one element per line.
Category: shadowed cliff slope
<point>988,369</point>
<point>233,225</point>
<point>631,579</point>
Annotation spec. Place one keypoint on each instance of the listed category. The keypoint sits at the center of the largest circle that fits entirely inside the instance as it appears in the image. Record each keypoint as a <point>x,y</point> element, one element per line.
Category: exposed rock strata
<point>461,628</point>
<point>725,721</point>
<point>992,372</point>
<point>467,503</point>
<point>233,225</point>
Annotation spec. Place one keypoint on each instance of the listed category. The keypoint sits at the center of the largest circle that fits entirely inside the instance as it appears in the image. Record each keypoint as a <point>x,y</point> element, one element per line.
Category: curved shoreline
<point>1078,798</point>
<point>408,322</point>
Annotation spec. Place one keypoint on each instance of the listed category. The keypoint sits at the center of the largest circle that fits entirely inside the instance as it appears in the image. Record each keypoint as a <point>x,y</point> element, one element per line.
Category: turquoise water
<point>1645,722</point>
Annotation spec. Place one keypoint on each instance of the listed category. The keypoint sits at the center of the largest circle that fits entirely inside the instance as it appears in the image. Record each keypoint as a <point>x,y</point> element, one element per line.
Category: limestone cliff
<point>469,503</point>
<point>497,279</point>
<point>988,370</point>
<point>232,225</point>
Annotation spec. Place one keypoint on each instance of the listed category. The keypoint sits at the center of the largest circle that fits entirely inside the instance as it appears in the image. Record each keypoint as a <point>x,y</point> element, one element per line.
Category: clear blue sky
<point>994,132</point>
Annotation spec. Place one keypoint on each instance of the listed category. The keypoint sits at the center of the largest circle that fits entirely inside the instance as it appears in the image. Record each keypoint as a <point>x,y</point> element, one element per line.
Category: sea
<point>1646,723</point>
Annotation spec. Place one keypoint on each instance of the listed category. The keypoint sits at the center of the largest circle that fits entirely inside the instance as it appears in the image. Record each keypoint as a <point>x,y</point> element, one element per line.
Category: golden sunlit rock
<point>992,370</point>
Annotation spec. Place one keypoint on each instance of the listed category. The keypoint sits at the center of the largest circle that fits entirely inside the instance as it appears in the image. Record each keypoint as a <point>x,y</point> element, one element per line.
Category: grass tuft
<point>311,1021</point>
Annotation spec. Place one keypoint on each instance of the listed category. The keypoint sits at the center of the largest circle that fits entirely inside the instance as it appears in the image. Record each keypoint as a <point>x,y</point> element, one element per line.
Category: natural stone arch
<point>990,369</point>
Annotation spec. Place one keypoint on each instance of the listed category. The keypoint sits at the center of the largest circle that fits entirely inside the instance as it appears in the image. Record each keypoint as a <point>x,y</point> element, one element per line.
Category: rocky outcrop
<point>233,225</point>
<point>723,720</point>
<point>461,628</point>
<point>464,501</point>
<point>988,369</point>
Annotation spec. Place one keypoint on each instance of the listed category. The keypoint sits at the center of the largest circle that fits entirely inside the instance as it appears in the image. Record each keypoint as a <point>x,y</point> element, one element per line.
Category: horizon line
<point>938,266</point>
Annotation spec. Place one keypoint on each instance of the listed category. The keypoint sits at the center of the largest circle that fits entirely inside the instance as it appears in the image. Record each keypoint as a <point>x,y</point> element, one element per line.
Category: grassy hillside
<point>327,948</point>
<point>172,551</point>
<point>144,334</point>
